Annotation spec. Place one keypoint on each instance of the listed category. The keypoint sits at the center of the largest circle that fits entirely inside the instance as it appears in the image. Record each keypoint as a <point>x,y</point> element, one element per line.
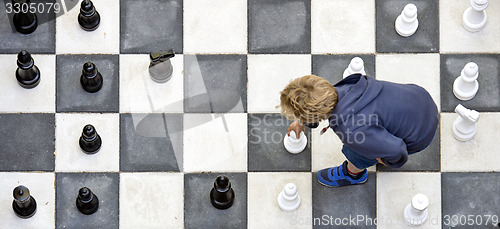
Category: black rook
<point>24,204</point>
<point>24,22</point>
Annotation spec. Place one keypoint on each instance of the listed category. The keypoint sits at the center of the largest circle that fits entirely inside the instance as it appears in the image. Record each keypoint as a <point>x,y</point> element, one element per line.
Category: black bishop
<point>24,204</point>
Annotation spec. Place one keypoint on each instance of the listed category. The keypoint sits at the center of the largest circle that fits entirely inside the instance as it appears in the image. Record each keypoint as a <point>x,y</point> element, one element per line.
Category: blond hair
<point>308,99</point>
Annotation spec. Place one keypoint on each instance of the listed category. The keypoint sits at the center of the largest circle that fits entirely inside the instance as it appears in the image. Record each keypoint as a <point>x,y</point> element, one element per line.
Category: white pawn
<point>465,86</point>
<point>355,66</point>
<point>415,212</point>
<point>289,199</point>
<point>407,23</point>
<point>474,17</point>
<point>464,127</point>
<point>293,144</point>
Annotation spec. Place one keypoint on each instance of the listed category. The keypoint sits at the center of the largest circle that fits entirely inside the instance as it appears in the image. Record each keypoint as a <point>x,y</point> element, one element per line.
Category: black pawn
<point>27,22</point>
<point>222,195</point>
<point>24,204</point>
<point>27,73</point>
<point>87,202</point>
<point>91,78</point>
<point>88,18</point>
<point>90,141</point>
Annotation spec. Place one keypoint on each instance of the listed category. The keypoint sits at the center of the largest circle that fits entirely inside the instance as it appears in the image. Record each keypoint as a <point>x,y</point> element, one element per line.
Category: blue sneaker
<point>337,176</point>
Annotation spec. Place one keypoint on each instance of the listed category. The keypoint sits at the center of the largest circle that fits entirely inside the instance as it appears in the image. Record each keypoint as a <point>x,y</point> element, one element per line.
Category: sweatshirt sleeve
<point>375,141</point>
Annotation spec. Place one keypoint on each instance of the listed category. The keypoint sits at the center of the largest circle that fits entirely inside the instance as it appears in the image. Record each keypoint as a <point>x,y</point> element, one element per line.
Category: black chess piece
<point>87,202</point>
<point>88,18</point>
<point>90,141</point>
<point>24,22</point>
<point>160,67</point>
<point>222,195</point>
<point>27,73</point>
<point>24,204</point>
<point>91,78</point>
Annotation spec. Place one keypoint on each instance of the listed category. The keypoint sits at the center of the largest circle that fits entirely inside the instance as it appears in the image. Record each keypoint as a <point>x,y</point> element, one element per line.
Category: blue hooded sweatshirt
<point>379,119</point>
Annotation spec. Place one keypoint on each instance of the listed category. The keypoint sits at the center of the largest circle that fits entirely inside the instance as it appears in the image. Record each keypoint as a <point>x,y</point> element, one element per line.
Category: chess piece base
<point>84,209</point>
<point>91,147</point>
<point>464,95</point>
<point>28,83</point>
<point>89,23</point>
<point>162,72</point>
<point>25,213</point>
<point>287,205</point>
<point>412,220</point>
<point>25,29</point>
<point>222,205</point>
<point>295,146</point>
<point>473,27</point>
<point>92,88</point>
<point>405,32</point>
<point>461,136</point>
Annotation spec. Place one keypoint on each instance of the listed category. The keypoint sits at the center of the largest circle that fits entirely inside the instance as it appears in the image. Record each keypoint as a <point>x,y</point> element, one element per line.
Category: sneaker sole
<point>341,186</point>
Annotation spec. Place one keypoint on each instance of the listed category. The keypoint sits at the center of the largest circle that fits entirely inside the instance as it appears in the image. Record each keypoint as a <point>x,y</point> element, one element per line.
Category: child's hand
<point>297,127</point>
<point>380,161</point>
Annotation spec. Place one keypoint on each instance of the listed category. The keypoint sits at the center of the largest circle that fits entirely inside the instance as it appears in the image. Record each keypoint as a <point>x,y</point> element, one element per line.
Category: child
<point>377,121</point>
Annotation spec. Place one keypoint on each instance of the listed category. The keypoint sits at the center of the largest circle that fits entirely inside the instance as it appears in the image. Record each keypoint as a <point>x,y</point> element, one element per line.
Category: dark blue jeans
<point>357,160</point>
<point>362,162</point>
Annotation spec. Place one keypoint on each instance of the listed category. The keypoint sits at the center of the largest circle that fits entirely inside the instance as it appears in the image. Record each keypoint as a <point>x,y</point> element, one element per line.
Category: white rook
<point>294,144</point>
<point>464,127</point>
<point>465,86</point>
<point>289,199</point>
<point>474,17</point>
<point>407,23</point>
<point>415,212</point>
<point>355,66</point>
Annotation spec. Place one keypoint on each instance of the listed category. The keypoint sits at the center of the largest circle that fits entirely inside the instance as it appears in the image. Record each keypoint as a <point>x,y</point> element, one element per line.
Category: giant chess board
<point>163,145</point>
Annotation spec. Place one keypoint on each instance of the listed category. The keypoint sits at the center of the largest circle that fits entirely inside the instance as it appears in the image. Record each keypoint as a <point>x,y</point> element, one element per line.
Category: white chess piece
<point>474,18</point>
<point>355,66</point>
<point>415,212</point>
<point>407,23</point>
<point>465,86</point>
<point>289,199</point>
<point>293,144</point>
<point>464,127</point>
